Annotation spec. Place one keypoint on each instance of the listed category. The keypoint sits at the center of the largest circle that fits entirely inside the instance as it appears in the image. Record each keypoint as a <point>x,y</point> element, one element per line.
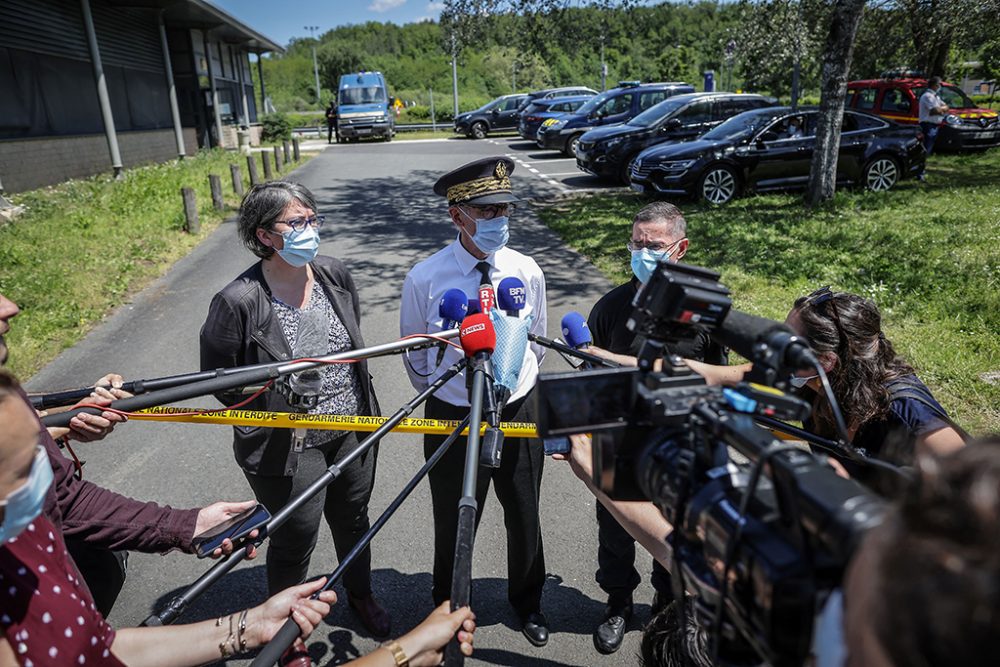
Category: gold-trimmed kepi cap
<point>483,182</point>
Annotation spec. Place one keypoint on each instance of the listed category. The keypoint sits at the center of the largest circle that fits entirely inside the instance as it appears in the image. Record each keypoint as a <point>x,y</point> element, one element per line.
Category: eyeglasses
<point>822,296</point>
<point>298,224</point>
<point>492,211</point>
<point>633,246</point>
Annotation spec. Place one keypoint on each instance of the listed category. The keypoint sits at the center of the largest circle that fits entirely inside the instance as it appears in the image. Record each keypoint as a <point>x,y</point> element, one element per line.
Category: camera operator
<point>659,233</point>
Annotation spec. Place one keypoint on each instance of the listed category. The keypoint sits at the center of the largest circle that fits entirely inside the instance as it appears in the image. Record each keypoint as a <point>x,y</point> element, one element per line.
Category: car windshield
<point>657,113</point>
<point>950,95</point>
<point>362,95</point>
<point>594,102</point>
<point>744,124</point>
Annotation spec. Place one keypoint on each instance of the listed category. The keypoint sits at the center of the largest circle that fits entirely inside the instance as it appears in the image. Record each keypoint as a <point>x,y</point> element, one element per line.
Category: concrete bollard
<point>286,149</point>
<point>252,169</point>
<point>295,149</point>
<point>234,172</point>
<point>215,184</point>
<point>191,223</point>
<point>277,158</point>
<point>268,174</point>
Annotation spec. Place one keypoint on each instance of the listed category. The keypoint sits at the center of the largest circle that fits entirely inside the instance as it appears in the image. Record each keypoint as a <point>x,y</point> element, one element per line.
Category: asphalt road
<point>382,217</point>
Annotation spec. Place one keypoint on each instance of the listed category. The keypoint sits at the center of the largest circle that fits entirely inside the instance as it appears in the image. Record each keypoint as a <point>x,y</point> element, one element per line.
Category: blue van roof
<point>361,78</point>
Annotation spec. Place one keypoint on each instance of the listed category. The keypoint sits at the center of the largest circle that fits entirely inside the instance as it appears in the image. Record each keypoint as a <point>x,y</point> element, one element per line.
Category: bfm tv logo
<point>517,294</point>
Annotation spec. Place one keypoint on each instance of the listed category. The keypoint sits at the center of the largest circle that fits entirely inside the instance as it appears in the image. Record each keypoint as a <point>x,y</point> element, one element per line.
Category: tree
<point>837,54</point>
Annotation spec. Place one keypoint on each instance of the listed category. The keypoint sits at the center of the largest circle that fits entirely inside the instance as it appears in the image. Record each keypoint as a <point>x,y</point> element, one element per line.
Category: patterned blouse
<point>46,611</point>
<point>341,391</point>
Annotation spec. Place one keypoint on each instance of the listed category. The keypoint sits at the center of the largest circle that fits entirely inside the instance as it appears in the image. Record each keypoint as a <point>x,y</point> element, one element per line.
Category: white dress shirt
<point>930,101</point>
<point>454,267</point>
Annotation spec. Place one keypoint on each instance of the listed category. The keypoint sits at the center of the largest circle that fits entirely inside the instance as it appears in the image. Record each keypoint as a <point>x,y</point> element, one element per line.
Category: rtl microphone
<point>487,297</point>
<point>761,339</point>
<point>452,309</point>
<point>512,296</point>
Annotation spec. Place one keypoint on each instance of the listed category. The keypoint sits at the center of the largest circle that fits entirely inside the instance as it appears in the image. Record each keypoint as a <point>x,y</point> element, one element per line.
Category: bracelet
<point>242,629</point>
<point>397,653</point>
<point>227,647</point>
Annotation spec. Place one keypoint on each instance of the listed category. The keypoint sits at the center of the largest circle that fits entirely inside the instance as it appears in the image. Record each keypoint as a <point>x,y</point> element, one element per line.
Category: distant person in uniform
<point>931,115</point>
<point>331,122</point>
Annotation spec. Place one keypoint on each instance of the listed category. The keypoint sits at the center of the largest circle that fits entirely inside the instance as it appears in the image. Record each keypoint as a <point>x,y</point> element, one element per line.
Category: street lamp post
<point>312,31</point>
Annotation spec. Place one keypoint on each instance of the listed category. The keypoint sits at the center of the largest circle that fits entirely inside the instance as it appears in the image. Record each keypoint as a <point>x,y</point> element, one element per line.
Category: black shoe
<point>610,634</point>
<point>536,629</point>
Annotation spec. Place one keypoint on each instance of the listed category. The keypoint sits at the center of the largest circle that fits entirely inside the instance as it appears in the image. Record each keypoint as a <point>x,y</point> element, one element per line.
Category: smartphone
<point>559,445</point>
<point>237,529</point>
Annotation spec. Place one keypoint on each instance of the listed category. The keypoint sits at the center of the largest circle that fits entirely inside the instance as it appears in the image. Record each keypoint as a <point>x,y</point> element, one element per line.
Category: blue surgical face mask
<point>491,234</point>
<point>301,246</point>
<point>25,504</point>
<point>644,263</point>
<point>799,381</point>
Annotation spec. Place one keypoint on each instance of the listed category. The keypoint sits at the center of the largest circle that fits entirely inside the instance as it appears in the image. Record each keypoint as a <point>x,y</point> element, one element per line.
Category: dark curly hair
<point>850,327</point>
<point>937,571</point>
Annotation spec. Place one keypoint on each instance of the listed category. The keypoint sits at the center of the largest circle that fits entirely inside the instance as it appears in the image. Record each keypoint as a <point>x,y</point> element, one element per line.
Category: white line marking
<point>569,173</point>
<point>564,159</point>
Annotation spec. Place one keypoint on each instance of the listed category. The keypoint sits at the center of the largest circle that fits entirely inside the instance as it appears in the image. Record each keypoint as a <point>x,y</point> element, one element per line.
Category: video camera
<point>758,554</point>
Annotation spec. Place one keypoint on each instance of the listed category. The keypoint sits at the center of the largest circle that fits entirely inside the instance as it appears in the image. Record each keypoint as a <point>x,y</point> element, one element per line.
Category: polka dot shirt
<point>46,612</point>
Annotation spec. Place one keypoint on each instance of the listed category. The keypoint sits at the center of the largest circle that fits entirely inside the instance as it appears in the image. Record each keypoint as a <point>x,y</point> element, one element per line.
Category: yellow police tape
<point>323,422</point>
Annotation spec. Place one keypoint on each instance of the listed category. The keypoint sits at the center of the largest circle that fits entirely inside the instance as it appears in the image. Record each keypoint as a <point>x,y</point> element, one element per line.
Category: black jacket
<point>241,329</point>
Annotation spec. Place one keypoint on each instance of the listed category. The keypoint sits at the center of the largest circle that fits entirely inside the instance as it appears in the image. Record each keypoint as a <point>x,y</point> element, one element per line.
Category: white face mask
<point>799,381</point>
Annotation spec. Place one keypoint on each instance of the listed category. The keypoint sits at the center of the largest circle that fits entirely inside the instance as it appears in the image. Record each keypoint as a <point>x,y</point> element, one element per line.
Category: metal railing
<point>320,130</point>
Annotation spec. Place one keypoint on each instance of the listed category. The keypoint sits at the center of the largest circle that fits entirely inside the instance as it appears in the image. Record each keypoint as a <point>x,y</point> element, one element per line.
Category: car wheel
<point>719,185</point>
<point>881,174</point>
<point>478,131</point>
<point>570,150</point>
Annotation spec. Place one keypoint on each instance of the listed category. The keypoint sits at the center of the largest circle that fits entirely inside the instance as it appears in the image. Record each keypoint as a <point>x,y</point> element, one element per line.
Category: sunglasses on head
<point>824,295</point>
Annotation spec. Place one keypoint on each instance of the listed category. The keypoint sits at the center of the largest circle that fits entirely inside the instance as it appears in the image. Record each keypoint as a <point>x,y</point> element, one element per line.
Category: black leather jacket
<point>241,329</point>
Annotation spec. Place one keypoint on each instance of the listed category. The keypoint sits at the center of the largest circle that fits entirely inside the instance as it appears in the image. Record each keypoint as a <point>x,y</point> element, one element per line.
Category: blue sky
<point>281,20</point>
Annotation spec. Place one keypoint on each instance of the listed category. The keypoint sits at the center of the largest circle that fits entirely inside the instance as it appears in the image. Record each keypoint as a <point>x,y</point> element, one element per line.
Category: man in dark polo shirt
<point>659,231</point>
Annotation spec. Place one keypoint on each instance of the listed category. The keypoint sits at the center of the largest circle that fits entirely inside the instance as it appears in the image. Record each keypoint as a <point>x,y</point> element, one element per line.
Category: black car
<point>613,106</point>
<point>608,151</point>
<point>539,111</point>
<point>771,149</point>
<point>552,93</point>
<point>499,115</point>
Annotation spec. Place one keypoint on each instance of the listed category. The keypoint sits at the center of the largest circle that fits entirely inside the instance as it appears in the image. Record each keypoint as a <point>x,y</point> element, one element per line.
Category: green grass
<point>82,247</point>
<point>927,254</point>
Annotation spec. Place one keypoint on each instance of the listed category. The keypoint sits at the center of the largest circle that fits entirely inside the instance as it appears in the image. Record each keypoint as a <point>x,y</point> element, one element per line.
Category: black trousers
<point>616,573</point>
<point>516,482</point>
<point>102,569</point>
<point>344,504</point>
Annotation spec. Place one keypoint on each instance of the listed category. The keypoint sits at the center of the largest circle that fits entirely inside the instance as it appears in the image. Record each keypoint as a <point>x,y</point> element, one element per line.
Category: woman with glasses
<point>294,303</point>
<point>889,412</point>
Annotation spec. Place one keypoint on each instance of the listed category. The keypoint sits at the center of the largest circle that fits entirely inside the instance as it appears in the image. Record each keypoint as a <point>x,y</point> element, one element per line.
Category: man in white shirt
<point>931,114</point>
<point>479,203</point>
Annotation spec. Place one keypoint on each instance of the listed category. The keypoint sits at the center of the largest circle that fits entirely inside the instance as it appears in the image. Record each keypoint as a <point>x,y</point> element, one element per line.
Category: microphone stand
<point>270,653</point>
<point>182,387</point>
<point>177,606</point>
<point>563,348</point>
<point>461,577</point>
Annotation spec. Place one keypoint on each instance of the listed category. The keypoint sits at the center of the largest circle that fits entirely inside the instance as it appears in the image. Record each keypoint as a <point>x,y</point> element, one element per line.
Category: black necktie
<point>484,271</point>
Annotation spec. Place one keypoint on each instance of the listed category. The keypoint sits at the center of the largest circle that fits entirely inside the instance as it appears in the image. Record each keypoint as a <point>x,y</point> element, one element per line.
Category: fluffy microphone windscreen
<point>575,330</point>
<point>512,343</point>
<point>454,306</point>
<point>477,335</point>
<point>511,294</point>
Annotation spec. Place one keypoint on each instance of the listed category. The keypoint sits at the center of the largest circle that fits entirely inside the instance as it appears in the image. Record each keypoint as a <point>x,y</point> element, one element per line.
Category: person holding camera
<point>659,233</point>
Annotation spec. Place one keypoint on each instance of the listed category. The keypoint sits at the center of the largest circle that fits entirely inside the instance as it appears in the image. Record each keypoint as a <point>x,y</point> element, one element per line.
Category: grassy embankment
<point>928,254</point>
<point>82,247</point>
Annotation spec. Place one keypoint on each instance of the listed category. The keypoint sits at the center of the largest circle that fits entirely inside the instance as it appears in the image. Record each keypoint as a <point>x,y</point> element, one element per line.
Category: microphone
<point>512,296</point>
<point>452,309</point>
<point>303,388</point>
<point>761,339</point>
<point>474,307</point>
<point>575,331</point>
<point>477,337</point>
